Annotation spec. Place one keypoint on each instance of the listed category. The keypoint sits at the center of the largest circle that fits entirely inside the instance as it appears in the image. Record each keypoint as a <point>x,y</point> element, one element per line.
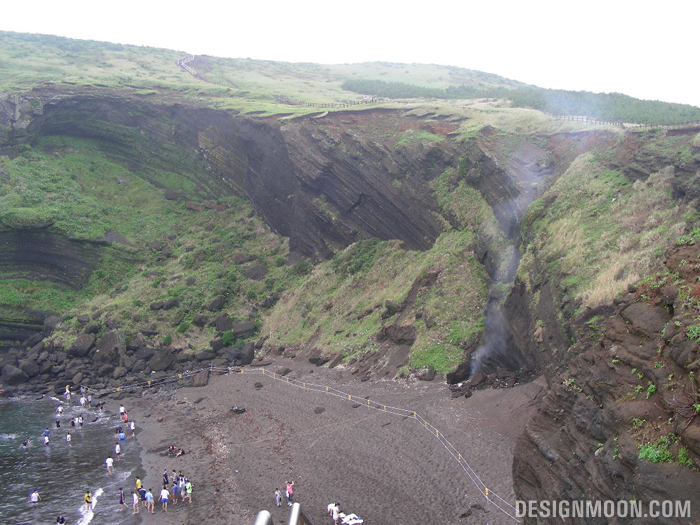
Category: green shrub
<point>183,327</point>
<point>167,339</point>
<point>656,452</point>
<point>227,338</point>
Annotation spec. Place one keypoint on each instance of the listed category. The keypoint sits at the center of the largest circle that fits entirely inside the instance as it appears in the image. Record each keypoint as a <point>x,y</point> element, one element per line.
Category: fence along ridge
<point>676,125</point>
<point>481,487</point>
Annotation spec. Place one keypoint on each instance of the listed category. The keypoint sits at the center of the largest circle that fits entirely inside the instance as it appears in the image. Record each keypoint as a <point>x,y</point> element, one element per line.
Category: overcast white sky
<point>641,48</point>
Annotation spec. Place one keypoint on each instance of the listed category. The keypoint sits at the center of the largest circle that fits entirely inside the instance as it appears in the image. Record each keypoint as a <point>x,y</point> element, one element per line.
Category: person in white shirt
<point>109,462</point>
<point>164,494</point>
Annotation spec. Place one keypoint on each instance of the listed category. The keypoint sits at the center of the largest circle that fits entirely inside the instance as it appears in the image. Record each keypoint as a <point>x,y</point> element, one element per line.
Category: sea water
<point>62,473</point>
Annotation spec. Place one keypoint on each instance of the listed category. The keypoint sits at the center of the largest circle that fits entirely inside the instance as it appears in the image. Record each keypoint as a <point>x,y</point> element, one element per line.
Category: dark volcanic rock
<point>200,320</point>
<point>170,304</point>
<point>223,323</point>
<point>50,324</point>
<point>255,271</point>
<point>205,355</point>
<point>216,304</point>
<point>317,358</point>
<point>81,345</point>
<point>29,367</point>
<point>13,375</point>
<point>145,353</point>
<point>244,329</point>
<point>110,348</point>
<point>201,378</point>
<point>243,356</point>
<point>161,360</point>
<point>93,328</point>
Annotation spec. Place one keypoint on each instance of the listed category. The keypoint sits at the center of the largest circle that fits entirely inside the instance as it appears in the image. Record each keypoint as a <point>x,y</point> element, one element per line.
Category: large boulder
<point>81,346</point>
<point>50,324</point>
<point>110,348</point>
<point>216,304</point>
<point>170,304</point>
<point>205,355</point>
<point>201,378</point>
<point>256,271</point>
<point>13,375</point>
<point>200,320</point>
<point>244,329</point>
<point>145,353</point>
<point>243,356</point>
<point>162,360</point>
<point>223,323</point>
<point>29,367</point>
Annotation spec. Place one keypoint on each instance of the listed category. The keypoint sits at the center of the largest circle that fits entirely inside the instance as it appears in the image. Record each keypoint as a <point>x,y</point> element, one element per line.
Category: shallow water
<point>61,473</point>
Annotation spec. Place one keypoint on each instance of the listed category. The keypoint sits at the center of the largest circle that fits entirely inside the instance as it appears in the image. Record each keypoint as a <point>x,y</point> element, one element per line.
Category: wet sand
<point>385,468</point>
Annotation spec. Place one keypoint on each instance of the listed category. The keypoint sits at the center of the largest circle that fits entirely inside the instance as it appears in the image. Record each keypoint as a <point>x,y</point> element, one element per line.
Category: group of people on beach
<point>176,486</point>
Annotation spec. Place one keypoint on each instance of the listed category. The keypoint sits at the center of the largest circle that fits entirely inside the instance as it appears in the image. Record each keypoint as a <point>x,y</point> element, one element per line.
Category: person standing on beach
<point>58,423</point>
<point>117,450</point>
<point>122,502</point>
<point>176,491</point>
<point>290,493</point>
<point>166,481</point>
<point>121,411</point>
<point>164,494</point>
<point>134,502</point>
<point>150,503</point>
<point>34,498</point>
<point>46,438</point>
<point>88,500</point>
<point>132,427</point>
<point>69,439</point>
<point>188,490</point>
<point>278,497</point>
<point>109,463</point>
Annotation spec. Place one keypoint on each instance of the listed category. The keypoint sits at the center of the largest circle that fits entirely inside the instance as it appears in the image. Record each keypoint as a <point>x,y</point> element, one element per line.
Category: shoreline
<point>376,465</point>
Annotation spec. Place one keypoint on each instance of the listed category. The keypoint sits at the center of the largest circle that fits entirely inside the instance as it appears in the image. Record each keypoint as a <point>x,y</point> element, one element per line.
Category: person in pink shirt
<point>290,492</point>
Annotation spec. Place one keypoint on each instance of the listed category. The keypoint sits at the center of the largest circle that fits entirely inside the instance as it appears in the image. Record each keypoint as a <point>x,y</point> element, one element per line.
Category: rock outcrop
<point>622,414</point>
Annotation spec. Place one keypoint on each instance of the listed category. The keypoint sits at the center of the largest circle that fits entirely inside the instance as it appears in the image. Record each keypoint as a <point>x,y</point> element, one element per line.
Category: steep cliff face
<point>322,182</point>
<point>621,422</point>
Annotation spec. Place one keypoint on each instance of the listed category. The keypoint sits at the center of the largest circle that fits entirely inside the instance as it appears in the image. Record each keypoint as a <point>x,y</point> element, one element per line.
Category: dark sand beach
<point>386,468</point>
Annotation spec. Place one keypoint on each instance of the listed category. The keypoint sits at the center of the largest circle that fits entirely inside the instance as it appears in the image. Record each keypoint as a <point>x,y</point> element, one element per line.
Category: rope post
<point>486,492</point>
<point>349,397</point>
<point>326,389</point>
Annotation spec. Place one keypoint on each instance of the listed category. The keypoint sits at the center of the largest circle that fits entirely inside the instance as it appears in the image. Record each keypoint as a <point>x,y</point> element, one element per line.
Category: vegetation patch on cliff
<point>371,285</point>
